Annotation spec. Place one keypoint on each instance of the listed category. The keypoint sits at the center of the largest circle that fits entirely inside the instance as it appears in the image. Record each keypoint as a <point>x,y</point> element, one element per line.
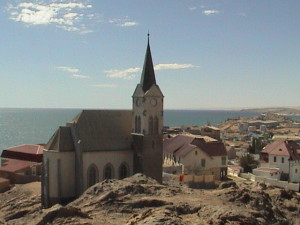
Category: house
<point>231,152</point>
<point>234,170</point>
<point>210,131</point>
<point>22,164</point>
<point>284,155</point>
<point>267,123</point>
<point>197,155</point>
<point>106,144</point>
<point>4,184</point>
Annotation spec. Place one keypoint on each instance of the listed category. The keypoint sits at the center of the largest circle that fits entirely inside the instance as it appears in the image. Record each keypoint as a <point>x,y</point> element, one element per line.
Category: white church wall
<point>102,158</point>
<point>65,163</point>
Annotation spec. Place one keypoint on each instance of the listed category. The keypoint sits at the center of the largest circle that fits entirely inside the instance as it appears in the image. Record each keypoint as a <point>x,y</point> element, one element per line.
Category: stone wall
<point>274,182</point>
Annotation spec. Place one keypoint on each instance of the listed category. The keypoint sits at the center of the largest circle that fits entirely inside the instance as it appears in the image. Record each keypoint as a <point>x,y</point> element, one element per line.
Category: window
<point>123,170</point>
<point>223,160</point>
<point>139,124</point>
<point>274,158</point>
<point>92,175</point>
<point>108,172</point>
<point>155,125</point>
<point>136,124</point>
<point>296,170</point>
<point>282,160</point>
<point>150,125</point>
<point>196,152</point>
<point>202,162</point>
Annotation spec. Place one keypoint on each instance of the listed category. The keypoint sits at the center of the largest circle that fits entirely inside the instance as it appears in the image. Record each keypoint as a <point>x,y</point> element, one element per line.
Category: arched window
<point>92,175</point>
<point>139,124</point>
<point>108,172</point>
<point>156,125</point>
<point>136,124</point>
<point>123,170</point>
<point>150,125</point>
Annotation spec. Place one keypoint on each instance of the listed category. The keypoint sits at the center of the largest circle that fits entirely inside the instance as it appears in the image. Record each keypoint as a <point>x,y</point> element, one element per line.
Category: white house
<point>196,155</point>
<point>284,155</point>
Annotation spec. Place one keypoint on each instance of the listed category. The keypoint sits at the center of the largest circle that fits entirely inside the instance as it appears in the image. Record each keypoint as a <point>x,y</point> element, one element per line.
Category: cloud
<point>210,12</point>
<point>63,14</point>
<point>80,76</point>
<point>129,24</point>
<point>192,8</point>
<point>130,73</point>
<point>125,22</point>
<point>105,85</point>
<point>124,74</point>
<point>242,14</point>
<point>173,66</point>
<point>74,72</point>
<point>68,69</point>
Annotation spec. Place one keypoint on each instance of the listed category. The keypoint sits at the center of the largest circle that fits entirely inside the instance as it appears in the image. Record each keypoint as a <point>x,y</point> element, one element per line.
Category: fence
<point>274,182</point>
<point>173,169</point>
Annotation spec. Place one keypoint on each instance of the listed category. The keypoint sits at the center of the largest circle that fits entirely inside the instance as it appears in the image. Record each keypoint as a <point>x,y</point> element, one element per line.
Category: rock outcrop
<point>140,200</point>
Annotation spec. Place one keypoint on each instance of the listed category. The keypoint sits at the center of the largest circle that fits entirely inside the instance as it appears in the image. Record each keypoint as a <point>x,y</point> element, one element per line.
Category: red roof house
<point>196,155</point>
<point>22,164</point>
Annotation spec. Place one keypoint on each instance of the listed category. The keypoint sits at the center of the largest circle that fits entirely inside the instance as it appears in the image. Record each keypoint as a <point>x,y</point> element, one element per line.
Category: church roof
<point>61,140</point>
<point>148,75</point>
<point>101,130</point>
<point>95,130</point>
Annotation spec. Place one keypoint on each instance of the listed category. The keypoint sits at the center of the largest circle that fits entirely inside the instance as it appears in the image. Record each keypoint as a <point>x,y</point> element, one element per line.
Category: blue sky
<point>214,54</point>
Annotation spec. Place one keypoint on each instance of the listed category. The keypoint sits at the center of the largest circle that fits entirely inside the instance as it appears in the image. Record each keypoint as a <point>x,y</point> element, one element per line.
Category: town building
<point>231,152</point>
<point>284,156</point>
<point>106,144</point>
<point>210,131</point>
<point>197,155</point>
<point>22,164</point>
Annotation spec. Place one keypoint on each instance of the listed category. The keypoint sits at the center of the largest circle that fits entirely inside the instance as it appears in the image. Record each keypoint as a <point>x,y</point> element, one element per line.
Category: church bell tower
<point>147,122</point>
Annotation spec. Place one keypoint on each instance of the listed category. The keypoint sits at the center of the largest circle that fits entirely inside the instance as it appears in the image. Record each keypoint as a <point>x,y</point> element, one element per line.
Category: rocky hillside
<point>140,200</point>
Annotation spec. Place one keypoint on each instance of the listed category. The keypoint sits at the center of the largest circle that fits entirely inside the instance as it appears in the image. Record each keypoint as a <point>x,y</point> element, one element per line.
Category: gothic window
<point>92,175</point>
<point>156,125</point>
<point>123,170</point>
<point>108,172</point>
<point>150,125</point>
<point>136,124</point>
<point>139,124</point>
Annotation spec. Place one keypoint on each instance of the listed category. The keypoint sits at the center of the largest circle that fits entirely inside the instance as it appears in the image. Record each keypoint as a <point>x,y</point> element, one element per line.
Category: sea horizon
<point>36,125</point>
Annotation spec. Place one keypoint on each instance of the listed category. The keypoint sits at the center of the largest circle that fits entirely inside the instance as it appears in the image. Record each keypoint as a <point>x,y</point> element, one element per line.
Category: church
<point>106,144</point>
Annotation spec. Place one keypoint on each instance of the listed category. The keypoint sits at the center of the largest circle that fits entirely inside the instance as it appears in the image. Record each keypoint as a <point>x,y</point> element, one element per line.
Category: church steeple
<point>148,75</point>
<point>147,123</point>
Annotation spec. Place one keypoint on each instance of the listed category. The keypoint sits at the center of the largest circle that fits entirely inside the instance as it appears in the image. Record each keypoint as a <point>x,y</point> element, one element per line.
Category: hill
<point>277,110</point>
<point>140,200</point>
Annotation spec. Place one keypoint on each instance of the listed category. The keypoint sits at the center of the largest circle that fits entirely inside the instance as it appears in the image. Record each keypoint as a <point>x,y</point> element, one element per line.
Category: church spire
<point>148,75</point>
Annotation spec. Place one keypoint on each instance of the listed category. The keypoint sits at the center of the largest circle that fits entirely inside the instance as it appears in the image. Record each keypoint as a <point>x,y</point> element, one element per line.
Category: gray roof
<point>148,75</point>
<point>97,130</point>
<point>104,129</point>
<point>61,140</point>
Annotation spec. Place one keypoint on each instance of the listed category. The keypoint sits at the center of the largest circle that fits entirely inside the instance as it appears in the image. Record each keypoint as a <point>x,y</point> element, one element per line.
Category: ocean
<point>34,126</point>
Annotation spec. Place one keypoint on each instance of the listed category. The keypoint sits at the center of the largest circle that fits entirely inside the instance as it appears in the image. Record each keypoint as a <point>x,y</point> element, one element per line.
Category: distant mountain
<point>278,110</point>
